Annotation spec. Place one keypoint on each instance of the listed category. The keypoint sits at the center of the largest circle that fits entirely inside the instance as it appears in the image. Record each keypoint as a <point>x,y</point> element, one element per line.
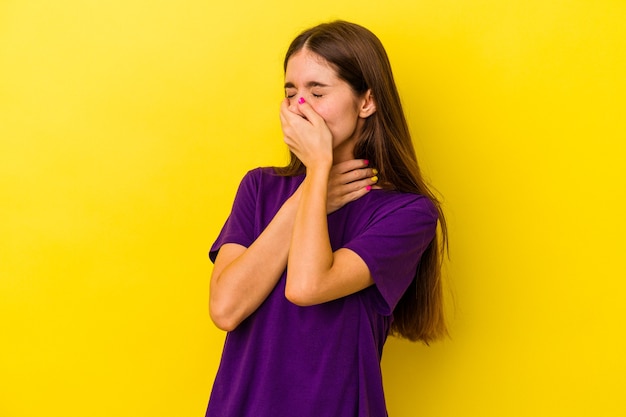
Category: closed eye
<point>290,91</point>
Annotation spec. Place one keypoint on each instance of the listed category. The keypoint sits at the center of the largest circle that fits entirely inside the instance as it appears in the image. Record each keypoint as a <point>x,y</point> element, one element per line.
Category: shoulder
<point>388,216</point>
<point>267,174</point>
<point>264,185</point>
<point>408,206</point>
<point>258,174</point>
<point>255,178</point>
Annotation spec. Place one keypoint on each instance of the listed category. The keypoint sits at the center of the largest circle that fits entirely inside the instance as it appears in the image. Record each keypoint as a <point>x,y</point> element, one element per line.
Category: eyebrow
<point>310,84</point>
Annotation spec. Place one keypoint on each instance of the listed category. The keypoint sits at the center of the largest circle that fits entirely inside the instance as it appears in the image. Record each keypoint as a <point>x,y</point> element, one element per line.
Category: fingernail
<point>366,162</point>
<point>374,178</point>
<point>368,187</point>
<point>374,171</point>
<point>301,100</point>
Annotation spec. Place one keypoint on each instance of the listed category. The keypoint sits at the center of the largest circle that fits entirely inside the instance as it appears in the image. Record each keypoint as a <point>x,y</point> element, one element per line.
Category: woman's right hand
<point>349,181</point>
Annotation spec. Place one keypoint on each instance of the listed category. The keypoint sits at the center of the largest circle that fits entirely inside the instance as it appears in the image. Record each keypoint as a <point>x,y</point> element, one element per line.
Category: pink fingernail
<point>366,161</point>
<point>368,187</point>
<point>301,100</point>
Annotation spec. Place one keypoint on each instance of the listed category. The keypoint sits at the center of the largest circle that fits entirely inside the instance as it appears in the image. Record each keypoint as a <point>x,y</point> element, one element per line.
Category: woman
<point>320,260</point>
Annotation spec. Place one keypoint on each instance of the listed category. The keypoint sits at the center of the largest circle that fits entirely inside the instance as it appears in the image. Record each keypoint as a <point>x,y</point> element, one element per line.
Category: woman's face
<point>310,76</point>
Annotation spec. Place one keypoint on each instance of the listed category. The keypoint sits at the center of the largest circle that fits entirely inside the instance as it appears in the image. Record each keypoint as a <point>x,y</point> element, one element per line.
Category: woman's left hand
<point>349,181</point>
<point>306,134</point>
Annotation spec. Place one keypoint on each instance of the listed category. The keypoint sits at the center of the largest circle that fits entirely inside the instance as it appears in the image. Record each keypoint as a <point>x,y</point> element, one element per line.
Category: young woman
<point>320,260</point>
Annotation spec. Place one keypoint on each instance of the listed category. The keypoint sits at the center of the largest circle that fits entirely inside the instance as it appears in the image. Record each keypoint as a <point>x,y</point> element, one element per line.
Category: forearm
<point>310,253</point>
<point>243,277</point>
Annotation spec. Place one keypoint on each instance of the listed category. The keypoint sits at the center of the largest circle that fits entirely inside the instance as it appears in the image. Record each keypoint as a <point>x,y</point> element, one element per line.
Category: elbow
<point>222,319</point>
<point>225,325</point>
<point>298,299</point>
<point>299,294</point>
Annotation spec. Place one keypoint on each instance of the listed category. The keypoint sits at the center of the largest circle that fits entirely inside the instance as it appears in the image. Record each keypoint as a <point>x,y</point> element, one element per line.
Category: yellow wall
<point>125,126</point>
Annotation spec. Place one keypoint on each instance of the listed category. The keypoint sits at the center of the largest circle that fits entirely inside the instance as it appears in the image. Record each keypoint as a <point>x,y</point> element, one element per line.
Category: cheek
<point>321,109</point>
<point>334,110</point>
<point>336,114</point>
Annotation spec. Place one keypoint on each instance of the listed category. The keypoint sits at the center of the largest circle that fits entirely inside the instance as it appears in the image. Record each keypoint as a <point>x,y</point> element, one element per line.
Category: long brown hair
<point>359,58</point>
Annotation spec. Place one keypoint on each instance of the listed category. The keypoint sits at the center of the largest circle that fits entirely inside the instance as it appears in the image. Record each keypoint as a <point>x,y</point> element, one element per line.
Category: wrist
<point>320,169</point>
<point>317,178</point>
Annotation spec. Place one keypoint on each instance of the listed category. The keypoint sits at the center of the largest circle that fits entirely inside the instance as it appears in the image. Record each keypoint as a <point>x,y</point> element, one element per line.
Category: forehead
<point>305,64</point>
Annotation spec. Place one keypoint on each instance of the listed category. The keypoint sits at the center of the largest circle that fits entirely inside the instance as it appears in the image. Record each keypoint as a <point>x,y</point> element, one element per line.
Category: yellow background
<point>126,125</point>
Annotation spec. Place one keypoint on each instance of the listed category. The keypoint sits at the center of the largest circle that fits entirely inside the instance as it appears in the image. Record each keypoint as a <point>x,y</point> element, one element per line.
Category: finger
<point>364,183</point>
<point>348,192</point>
<point>282,114</point>
<point>285,112</point>
<point>293,119</point>
<point>349,165</point>
<point>356,175</point>
<point>309,113</point>
<point>358,192</point>
<point>290,121</point>
<point>343,191</point>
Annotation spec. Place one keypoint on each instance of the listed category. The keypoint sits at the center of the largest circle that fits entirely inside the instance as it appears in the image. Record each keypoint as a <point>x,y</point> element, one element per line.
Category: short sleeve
<point>239,226</point>
<point>392,246</point>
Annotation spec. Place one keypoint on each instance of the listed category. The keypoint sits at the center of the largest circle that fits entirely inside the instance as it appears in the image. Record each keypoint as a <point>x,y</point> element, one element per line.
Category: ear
<point>368,105</point>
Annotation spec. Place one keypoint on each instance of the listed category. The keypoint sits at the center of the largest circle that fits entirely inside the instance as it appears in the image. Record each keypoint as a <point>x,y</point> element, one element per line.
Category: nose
<point>293,105</point>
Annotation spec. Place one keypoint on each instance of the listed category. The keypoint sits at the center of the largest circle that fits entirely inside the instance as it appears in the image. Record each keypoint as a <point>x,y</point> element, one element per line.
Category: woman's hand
<point>307,135</point>
<point>349,181</point>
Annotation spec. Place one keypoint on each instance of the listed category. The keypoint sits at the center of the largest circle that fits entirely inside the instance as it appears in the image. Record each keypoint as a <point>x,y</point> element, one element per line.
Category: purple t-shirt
<point>323,360</point>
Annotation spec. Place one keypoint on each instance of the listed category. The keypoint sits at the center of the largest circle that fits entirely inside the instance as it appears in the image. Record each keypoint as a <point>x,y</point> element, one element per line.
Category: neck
<point>344,152</point>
